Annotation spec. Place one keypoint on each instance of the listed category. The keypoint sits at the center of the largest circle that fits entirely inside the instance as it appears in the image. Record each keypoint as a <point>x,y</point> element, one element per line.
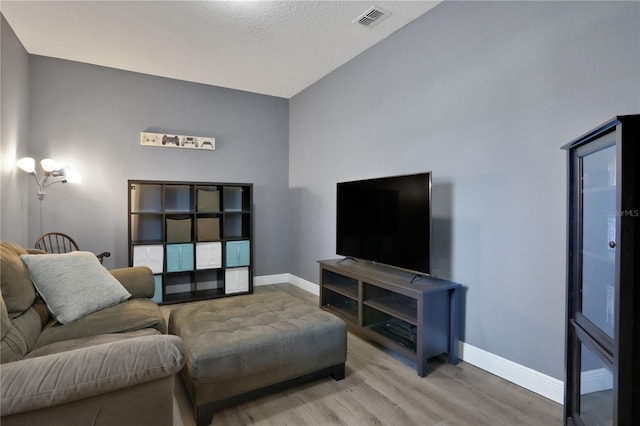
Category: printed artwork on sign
<point>177,141</point>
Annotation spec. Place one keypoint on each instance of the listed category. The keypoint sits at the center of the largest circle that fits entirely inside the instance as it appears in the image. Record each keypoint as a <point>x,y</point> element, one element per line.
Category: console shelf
<point>399,337</point>
<point>417,319</point>
<point>343,290</point>
<point>349,315</point>
<point>395,306</point>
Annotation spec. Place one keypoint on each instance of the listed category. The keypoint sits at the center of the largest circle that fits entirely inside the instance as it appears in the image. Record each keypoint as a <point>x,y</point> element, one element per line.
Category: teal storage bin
<point>157,296</point>
<point>237,253</point>
<point>179,257</point>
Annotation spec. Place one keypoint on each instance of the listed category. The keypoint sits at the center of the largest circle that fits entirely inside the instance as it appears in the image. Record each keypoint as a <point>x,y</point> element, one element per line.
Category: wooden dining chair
<point>57,242</point>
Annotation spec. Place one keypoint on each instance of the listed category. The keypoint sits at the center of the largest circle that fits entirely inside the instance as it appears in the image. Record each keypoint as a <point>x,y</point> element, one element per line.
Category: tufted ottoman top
<point>257,339</point>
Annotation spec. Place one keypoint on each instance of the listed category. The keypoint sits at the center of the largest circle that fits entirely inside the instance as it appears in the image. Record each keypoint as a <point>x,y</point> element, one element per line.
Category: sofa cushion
<point>5,322</point>
<point>17,289</point>
<point>24,331</point>
<point>13,347</point>
<point>131,315</point>
<point>46,381</point>
<point>85,342</point>
<point>74,284</point>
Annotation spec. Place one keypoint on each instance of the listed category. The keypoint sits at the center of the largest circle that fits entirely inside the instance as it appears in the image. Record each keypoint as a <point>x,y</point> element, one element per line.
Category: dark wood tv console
<point>418,319</point>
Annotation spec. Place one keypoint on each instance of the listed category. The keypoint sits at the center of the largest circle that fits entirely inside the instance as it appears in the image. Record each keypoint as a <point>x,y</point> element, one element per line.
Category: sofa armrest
<point>50,380</point>
<point>35,251</point>
<point>138,280</point>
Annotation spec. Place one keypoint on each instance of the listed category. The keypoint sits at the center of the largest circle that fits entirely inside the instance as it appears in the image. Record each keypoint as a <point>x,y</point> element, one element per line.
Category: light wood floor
<point>382,389</point>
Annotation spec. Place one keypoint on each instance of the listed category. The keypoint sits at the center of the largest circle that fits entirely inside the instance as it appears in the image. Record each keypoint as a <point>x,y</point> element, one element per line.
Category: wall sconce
<point>52,172</point>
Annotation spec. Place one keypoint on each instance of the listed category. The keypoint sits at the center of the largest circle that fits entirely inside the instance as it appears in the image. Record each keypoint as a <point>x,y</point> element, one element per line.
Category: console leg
<point>454,307</point>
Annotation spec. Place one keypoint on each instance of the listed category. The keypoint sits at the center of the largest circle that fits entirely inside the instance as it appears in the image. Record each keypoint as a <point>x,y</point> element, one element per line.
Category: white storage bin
<point>149,255</point>
<point>208,255</point>
<point>236,280</point>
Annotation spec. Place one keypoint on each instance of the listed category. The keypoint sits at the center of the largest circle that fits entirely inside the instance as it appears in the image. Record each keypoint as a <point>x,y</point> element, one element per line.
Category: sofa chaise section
<point>113,366</point>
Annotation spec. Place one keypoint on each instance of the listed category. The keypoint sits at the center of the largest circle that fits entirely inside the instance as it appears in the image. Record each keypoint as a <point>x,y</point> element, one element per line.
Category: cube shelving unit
<point>195,236</point>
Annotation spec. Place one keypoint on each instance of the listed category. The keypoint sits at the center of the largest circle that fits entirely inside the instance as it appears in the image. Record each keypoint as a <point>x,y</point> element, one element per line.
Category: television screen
<point>386,220</point>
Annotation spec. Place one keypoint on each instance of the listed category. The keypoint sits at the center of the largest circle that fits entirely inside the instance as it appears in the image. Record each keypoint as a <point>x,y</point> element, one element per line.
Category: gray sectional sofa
<point>115,366</point>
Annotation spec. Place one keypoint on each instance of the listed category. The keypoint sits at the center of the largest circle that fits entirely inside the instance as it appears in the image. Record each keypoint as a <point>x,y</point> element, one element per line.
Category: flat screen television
<point>386,220</point>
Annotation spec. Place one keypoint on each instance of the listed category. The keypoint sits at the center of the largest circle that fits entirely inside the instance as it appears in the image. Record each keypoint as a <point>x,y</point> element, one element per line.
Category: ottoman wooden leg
<point>338,372</point>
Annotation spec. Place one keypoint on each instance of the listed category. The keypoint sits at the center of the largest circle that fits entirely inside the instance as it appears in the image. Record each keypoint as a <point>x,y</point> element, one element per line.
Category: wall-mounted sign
<point>177,141</point>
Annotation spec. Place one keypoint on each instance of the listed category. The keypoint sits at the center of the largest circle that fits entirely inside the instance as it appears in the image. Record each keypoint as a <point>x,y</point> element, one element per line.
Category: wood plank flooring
<point>383,389</point>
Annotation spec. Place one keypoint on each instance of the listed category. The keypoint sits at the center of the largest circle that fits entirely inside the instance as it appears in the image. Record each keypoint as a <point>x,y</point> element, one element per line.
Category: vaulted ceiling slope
<point>275,48</point>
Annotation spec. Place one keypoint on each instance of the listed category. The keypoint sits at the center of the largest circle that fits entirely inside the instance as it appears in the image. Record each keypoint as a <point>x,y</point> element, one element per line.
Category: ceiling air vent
<point>373,16</point>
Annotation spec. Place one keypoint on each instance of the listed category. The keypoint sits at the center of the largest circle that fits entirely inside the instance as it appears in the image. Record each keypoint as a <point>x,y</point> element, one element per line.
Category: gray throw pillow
<point>73,284</point>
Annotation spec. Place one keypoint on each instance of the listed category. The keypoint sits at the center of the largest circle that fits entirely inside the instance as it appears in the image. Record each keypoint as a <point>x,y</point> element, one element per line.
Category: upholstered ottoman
<point>243,346</point>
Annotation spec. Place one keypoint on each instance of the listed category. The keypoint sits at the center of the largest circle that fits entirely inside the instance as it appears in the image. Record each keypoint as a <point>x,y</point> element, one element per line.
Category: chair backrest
<point>56,242</point>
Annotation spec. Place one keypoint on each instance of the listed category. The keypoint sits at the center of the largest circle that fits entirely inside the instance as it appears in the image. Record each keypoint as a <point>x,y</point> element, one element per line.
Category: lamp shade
<point>71,174</point>
<point>49,165</point>
<point>27,164</point>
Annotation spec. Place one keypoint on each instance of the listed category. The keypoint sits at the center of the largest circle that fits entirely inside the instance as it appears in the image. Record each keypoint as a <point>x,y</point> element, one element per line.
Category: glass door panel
<point>596,390</point>
<point>598,238</point>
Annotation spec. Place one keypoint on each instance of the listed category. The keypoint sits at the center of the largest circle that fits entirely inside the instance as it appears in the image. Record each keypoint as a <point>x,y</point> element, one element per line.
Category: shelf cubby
<point>209,279</point>
<point>236,199</point>
<point>400,332</point>
<point>208,199</point>
<point>395,304</point>
<point>340,284</point>
<point>146,228</point>
<point>178,198</point>
<point>341,305</point>
<point>145,197</point>
<point>237,225</point>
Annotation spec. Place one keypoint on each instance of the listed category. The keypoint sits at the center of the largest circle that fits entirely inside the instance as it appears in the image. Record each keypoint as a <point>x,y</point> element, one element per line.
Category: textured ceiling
<point>271,47</point>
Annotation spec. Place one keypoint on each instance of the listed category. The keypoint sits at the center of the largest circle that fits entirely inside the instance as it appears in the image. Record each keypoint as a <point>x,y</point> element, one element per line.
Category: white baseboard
<point>287,278</point>
<point>271,279</point>
<point>530,379</point>
<point>535,381</point>
<point>595,381</point>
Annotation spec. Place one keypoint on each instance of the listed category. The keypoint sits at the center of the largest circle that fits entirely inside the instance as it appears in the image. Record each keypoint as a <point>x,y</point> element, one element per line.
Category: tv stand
<point>418,320</point>
<point>348,258</point>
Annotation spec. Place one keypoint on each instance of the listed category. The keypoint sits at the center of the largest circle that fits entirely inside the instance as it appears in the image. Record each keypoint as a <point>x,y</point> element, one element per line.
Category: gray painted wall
<point>92,116</point>
<point>14,77</point>
<point>483,94</point>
